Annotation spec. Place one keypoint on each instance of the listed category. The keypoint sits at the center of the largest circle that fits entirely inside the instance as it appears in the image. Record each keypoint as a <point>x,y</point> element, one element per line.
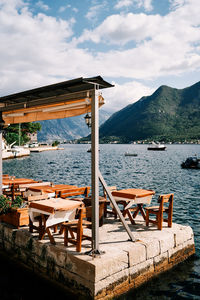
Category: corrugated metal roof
<point>53,90</point>
<point>60,100</point>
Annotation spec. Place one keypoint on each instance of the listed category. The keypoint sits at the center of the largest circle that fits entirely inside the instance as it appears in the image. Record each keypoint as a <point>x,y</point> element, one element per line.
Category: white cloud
<point>64,8</point>
<point>164,45</point>
<point>121,29</point>
<point>177,3</point>
<point>124,94</point>
<point>123,3</point>
<point>75,9</point>
<point>32,48</point>
<point>39,49</point>
<point>41,5</point>
<point>146,4</point>
<point>95,10</point>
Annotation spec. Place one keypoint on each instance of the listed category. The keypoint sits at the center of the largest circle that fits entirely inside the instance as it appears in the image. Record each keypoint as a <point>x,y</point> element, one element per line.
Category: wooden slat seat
<point>158,211</point>
<point>76,227</point>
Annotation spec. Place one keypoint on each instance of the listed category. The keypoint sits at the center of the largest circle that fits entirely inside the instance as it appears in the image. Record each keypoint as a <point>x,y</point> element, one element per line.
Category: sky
<point>137,45</point>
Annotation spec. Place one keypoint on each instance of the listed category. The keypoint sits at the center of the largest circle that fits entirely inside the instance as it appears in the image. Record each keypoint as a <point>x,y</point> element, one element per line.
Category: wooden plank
<point>37,197</point>
<point>38,114</point>
<point>132,193</point>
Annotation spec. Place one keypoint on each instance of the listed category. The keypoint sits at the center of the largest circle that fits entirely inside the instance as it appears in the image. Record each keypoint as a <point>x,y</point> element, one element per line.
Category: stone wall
<point>115,272</point>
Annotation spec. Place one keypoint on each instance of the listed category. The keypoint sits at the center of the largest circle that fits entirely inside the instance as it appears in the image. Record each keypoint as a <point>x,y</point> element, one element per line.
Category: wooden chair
<point>76,227</point>
<point>65,193</point>
<point>158,211</point>
<point>12,191</point>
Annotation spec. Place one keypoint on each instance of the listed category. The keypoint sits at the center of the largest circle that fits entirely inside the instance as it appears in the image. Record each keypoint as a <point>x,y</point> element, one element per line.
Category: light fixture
<point>88,120</point>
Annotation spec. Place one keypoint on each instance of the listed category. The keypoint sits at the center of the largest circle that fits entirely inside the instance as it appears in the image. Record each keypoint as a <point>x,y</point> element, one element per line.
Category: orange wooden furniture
<point>10,181</point>
<point>51,211</point>
<point>102,201</point>
<point>77,227</point>
<point>130,197</point>
<point>158,211</point>
<point>74,191</point>
<point>52,190</point>
<point>11,186</point>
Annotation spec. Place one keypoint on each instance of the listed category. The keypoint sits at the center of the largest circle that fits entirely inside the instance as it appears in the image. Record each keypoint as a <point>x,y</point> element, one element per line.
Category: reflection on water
<point>159,171</point>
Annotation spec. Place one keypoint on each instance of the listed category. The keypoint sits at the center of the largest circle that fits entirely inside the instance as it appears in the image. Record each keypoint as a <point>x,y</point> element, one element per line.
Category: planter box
<point>17,217</point>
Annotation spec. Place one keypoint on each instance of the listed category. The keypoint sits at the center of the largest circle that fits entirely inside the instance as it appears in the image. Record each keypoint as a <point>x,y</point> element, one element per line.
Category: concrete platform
<point>44,148</point>
<point>123,266</point>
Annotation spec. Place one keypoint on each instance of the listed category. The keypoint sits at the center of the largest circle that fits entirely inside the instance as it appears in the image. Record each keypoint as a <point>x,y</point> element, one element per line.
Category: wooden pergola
<point>65,99</point>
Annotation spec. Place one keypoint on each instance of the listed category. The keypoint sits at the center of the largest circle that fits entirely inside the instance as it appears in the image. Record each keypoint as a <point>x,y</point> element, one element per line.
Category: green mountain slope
<point>168,114</point>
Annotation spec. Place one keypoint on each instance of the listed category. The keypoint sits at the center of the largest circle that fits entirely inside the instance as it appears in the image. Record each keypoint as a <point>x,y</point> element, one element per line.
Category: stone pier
<point>124,265</point>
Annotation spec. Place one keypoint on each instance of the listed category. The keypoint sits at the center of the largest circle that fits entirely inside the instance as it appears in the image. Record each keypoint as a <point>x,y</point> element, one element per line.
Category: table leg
<point>127,212</point>
<point>48,231</point>
<point>139,209</point>
<point>51,238</point>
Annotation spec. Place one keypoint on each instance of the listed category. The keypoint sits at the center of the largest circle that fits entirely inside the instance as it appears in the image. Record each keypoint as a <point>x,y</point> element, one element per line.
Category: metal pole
<point>19,133</point>
<point>112,200</point>
<point>95,170</point>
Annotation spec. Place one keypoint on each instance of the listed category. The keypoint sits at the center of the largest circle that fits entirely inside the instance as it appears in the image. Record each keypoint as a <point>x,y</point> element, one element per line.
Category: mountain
<point>68,128</point>
<point>169,114</point>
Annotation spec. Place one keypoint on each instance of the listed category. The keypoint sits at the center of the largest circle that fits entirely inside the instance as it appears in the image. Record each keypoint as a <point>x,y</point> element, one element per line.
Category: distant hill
<point>169,114</point>
<point>68,128</point>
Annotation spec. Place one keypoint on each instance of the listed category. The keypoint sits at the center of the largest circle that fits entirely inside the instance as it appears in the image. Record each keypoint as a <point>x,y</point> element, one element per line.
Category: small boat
<point>157,147</point>
<point>130,154</point>
<point>191,163</point>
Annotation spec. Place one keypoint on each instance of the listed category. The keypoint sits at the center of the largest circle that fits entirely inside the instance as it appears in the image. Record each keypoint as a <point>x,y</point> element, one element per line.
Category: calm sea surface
<point>159,171</point>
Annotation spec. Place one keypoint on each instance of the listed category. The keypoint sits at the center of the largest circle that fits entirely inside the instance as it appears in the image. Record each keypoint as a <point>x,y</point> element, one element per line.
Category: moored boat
<point>156,147</point>
<point>130,154</point>
<point>191,163</point>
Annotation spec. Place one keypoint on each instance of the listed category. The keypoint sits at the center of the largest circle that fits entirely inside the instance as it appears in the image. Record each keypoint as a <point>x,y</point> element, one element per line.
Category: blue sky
<point>137,45</point>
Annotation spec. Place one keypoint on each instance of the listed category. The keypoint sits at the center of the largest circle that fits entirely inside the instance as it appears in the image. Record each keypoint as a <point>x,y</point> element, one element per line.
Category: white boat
<point>156,147</point>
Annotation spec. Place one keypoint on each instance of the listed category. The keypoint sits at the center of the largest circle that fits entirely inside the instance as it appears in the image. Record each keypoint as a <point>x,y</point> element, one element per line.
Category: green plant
<point>17,202</point>
<point>6,204</point>
<point>12,133</point>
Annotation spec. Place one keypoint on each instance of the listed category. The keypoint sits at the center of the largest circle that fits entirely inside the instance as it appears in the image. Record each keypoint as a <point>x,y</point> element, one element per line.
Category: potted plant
<point>14,212</point>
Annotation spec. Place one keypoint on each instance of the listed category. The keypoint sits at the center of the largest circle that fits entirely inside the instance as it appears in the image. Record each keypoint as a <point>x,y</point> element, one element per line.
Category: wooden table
<point>50,190</point>
<point>10,181</point>
<point>130,197</point>
<point>52,212</point>
<point>11,185</point>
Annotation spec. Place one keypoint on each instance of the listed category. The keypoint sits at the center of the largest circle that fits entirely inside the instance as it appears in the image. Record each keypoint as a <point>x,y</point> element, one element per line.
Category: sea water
<point>157,170</point>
